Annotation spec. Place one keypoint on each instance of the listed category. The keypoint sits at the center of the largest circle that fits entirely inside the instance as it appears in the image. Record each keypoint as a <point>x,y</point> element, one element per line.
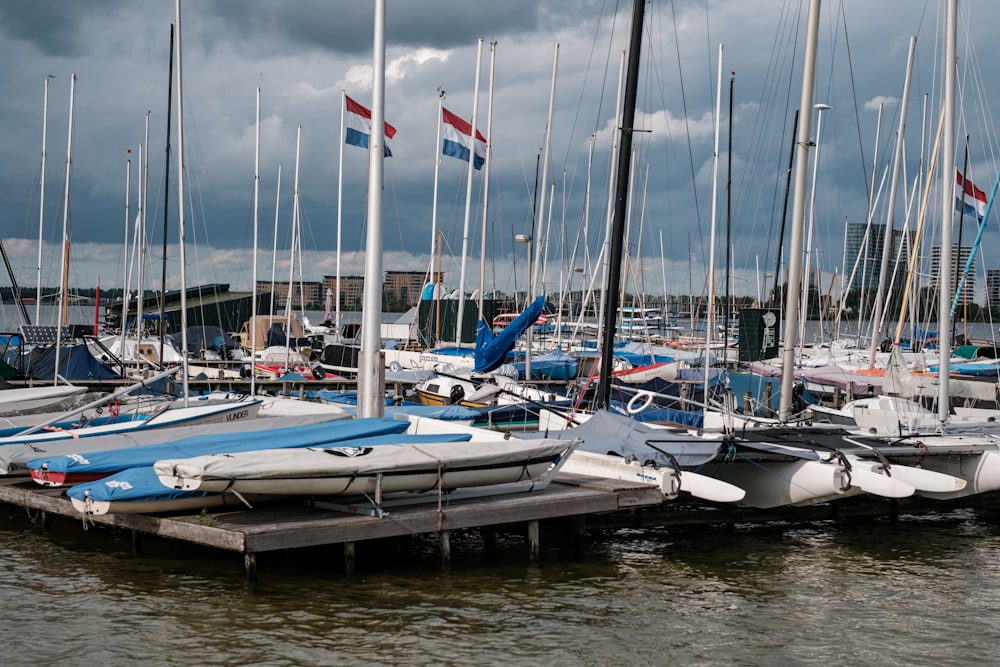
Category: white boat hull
<point>369,470</point>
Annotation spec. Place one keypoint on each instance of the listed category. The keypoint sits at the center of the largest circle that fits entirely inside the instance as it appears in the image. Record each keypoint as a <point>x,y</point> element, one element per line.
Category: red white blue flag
<point>358,121</point>
<point>969,196</point>
<point>456,139</point>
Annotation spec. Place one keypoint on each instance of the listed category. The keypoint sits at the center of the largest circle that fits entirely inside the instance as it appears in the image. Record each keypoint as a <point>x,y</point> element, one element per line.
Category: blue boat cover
<point>310,435</point>
<point>555,365</point>
<point>492,350</point>
<point>142,484</point>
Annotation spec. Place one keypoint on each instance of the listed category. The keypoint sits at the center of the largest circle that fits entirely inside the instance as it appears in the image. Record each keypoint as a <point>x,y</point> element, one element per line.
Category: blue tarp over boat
<point>492,349</point>
<point>141,484</point>
<point>310,435</point>
<point>555,365</point>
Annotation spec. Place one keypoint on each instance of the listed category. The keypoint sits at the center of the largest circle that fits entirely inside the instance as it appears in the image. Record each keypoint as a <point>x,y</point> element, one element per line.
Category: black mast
<point>784,208</point>
<point>621,195</point>
<point>166,192</point>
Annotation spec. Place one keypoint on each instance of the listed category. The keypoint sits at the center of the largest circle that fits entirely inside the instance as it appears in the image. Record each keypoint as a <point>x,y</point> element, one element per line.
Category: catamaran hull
<point>778,484</point>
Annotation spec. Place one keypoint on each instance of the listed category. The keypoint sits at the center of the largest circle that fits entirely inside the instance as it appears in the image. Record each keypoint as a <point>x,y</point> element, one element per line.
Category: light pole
<point>526,238</point>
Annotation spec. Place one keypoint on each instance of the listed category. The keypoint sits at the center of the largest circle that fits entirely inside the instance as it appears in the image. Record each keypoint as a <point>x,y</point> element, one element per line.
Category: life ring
<point>631,407</point>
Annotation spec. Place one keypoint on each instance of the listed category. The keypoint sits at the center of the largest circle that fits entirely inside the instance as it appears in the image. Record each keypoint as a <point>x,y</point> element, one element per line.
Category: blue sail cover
<point>310,435</point>
<point>141,483</point>
<point>492,350</point>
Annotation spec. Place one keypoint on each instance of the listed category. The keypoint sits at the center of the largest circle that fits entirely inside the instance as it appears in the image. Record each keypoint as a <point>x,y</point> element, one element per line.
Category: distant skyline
<point>304,55</point>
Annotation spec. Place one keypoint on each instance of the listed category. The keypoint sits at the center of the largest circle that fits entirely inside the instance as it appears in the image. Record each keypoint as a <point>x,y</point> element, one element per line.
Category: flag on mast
<point>456,139</point>
<point>359,124</point>
<point>969,196</point>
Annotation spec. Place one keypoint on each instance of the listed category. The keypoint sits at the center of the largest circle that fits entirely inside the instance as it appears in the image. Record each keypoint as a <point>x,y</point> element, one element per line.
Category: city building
<point>399,286</point>
<point>304,294</point>
<point>993,287</point>
<point>866,269</point>
<point>959,256</point>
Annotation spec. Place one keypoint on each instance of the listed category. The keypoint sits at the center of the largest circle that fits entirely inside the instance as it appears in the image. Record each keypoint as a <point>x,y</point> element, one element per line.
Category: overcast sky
<point>304,53</point>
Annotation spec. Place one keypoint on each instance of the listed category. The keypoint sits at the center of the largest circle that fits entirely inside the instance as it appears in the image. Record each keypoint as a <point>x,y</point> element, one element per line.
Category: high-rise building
<point>866,270</point>
<point>959,256</point>
<point>863,254</point>
<point>993,287</point>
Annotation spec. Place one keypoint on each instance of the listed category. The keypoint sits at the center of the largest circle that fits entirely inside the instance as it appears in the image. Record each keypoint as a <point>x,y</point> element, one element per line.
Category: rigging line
<point>854,91</point>
<point>579,105</point>
<point>687,126</point>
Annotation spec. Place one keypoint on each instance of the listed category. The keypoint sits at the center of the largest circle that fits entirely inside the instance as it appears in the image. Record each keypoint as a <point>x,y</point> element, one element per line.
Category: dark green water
<point>923,591</point>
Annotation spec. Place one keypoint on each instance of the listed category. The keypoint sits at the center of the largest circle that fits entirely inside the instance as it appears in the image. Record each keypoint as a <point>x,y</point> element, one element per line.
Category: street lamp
<point>526,238</point>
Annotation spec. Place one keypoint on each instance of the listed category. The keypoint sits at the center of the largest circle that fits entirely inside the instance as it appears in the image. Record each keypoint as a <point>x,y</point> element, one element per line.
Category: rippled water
<point>918,592</point>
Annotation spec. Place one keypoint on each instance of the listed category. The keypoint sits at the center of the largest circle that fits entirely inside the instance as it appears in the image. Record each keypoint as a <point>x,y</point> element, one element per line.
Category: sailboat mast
<point>61,322</point>
<point>143,207</point>
<point>180,207</point>
<point>710,315</point>
<point>340,203</point>
<point>888,237</point>
<point>541,239</point>
<point>947,206</point>
<point>253,279</point>
<point>621,194</point>
<point>370,368</point>
<point>166,190</point>
<point>486,180</point>
<point>41,201</point>
<point>434,277</point>
<point>798,211</point>
<point>468,197</point>
<point>605,256</point>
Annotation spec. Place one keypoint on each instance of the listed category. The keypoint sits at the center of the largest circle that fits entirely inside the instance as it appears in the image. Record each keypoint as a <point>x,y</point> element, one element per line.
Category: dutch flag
<point>456,139</point>
<point>358,122</point>
<point>968,195</point>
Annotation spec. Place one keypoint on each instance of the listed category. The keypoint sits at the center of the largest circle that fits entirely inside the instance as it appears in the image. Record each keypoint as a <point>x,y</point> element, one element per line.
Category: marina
<point>579,461</point>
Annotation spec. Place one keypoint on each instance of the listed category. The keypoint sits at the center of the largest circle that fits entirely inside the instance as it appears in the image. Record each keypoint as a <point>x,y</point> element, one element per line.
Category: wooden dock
<point>297,524</point>
<point>580,503</point>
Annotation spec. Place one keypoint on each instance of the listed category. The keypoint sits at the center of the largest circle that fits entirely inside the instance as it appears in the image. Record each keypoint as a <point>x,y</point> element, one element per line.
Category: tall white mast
<point>710,320</point>
<point>798,211</point>
<point>274,249</point>
<point>947,208</point>
<point>256,202</point>
<point>180,205</point>
<point>340,204</point>
<point>806,278</point>
<point>41,200</point>
<point>370,367</point>
<point>61,320</point>
<point>468,196</point>
<point>888,238</point>
<point>541,239</point>
<point>292,247</point>
<point>143,199</point>
<point>606,248</point>
<point>486,180</point>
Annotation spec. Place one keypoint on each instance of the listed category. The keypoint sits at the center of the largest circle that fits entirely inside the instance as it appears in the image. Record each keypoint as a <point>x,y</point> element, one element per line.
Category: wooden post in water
<point>349,557</point>
<point>250,566</point>
<point>489,534</point>
<point>445,548</point>
<point>534,550</point>
<point>578,525</point>
<point>136,543</point>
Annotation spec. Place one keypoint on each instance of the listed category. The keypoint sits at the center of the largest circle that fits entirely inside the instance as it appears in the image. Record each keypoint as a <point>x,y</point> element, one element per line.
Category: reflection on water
<point>920,591</point>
